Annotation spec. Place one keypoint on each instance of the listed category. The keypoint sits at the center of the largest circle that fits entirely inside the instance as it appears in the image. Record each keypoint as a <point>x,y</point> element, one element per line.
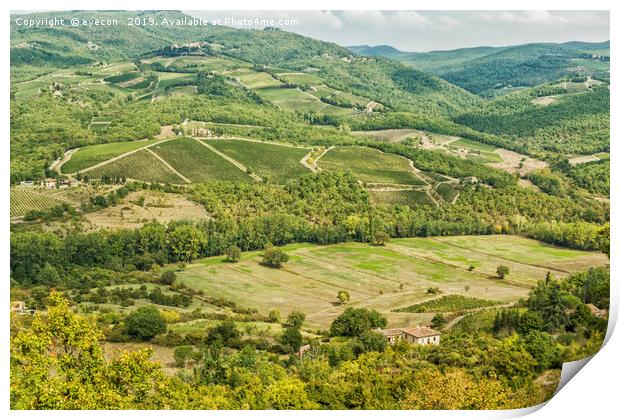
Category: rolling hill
<point>488,71</point>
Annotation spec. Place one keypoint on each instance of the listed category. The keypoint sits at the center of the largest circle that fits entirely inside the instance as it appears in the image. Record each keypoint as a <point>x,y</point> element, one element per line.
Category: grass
<point>269,161</point>
<point>450,303</point>
<point>402,197</point>
<point>484,153</point>
<point>259,80</point>
<point>300,78</point>
<point>197,163</point>
<point>310,281</point>
<point>292,99</point>
<point>370,165</point>
<point>391,135</point>
<point>24,200</point>
<point>527,259</point>
<point>141,165</point>
<point>123,77</point>
<point>88,156</point>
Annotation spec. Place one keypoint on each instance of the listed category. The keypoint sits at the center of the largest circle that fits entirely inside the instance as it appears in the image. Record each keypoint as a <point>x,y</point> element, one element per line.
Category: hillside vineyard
<point>208,217</point>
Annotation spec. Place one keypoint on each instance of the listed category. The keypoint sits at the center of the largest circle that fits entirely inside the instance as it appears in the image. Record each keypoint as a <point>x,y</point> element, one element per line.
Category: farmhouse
<point>18,306</point>
<point>417,335</point>
<point>49,183</point>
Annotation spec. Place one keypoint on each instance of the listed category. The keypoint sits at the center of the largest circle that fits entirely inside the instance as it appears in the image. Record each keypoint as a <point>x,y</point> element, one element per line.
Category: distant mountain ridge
<point>483,70</point>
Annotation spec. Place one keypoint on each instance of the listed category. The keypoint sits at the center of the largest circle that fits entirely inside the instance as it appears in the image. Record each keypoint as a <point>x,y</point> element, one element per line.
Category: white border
<point>592,393</point>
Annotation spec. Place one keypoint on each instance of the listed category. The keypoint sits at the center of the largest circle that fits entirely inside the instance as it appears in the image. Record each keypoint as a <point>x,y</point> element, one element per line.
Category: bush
<point>145,323</point>
<point>182,355</point>
<point>292,337</point>
<point>274,257</point>
<point>502,271</point>
<point>343,297</point>
<point>168,277</point>
<point>233,253</point>
<point>295,319</point>
<point>438,321</point>
<point>380,239</point>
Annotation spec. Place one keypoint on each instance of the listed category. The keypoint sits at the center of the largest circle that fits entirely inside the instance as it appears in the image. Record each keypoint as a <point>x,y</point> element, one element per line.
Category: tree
<point>274,315</point>
<point>343,297</point>
<point>224,332</point>
<point>380,238</point>
<point>182,355</point>
<point>233,253</point>
<point>438,321</point>
<point>295,319</point>
<point>145,323</point>
<point>354,321</point>
<point>274,257</point>
<point>58,363</point>
<point>168,277</point>
<point>502,271</point>
<point>291,336</point>
<point>373,341</point>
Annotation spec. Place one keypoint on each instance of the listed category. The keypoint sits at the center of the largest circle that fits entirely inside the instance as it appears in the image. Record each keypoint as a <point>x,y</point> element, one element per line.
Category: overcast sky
<point>435,30</point>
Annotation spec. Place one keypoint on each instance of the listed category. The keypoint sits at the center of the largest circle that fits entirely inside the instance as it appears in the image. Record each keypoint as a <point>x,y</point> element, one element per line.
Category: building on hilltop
<point>417,335</point>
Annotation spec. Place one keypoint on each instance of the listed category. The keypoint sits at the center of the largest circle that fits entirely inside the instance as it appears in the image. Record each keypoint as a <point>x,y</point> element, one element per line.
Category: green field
<point>484,153</point>
<point>141,165</point>
<point>528,260</point>
<point>310,281</point>
<point>402,197</point>
<point>197,163</point>
<point>300,78</point>
<point>259,80</point>
<point>88,156</point>
<point>269,161</point>
<point>28,199</point>
<point>370,165</point>
<point>123,77</point>
<point>391,135</point>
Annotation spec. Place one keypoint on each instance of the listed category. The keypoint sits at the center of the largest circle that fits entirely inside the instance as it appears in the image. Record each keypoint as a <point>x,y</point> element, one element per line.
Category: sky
<point>430,30</point>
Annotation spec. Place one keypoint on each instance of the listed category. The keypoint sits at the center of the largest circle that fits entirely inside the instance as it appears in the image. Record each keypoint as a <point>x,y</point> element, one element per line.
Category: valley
<point>243,219</point>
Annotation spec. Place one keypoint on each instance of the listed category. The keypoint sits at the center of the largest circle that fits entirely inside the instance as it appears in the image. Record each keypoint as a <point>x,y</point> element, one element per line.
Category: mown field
<point>28,199</point>
<point>370,165</point>
<point>269,161</point>
<point>310,281</point>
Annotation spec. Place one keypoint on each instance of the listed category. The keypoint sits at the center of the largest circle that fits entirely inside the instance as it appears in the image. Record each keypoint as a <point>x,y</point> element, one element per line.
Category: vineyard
<point>369,165</point>
<point>141,165</point>
<point>197,163</point>
<point>24,200</point>
<point>93,155</point>
<point>269,161</point>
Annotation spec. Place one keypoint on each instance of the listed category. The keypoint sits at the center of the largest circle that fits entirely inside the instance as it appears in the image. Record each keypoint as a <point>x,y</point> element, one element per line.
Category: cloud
<point>377,19</point>
<point>531,17</point>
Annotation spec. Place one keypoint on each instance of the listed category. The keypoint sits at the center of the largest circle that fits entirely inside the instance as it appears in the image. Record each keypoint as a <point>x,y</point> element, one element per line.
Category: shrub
<point>233,254</point>
<point>295,319</point>
<point>274,257</point>
<point>502,271</point>
<point>145,323</point>
<point>168,277</point>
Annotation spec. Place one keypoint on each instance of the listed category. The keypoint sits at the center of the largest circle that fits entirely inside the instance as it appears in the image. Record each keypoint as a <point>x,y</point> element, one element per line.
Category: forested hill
<point>490,70</point>
<point>386,81</point>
